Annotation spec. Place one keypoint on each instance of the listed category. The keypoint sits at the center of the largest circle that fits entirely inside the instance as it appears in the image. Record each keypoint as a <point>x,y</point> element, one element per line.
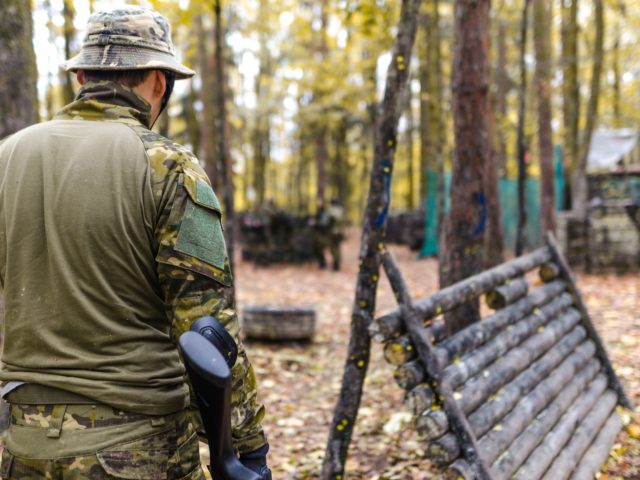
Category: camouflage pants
<point>73,442</point>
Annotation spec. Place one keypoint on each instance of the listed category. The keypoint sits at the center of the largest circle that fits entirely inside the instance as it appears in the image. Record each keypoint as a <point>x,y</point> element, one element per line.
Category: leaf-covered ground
<point>299,383</point>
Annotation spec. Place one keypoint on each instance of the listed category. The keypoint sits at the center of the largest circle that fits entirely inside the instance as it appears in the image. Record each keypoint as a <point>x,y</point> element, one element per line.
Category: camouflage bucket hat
<point>130,38</point>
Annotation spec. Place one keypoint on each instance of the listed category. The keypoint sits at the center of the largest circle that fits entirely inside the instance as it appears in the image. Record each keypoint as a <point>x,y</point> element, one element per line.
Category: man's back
<point>77,220</point>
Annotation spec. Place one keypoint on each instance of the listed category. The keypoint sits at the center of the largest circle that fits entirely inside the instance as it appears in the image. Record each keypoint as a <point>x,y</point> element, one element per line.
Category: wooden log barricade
<point>527,392</point>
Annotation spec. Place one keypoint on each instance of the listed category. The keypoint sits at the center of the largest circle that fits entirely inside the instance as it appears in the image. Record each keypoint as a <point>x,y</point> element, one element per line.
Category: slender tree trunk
<point>493,239</point>
<point>570,88</point>
<point>467,219</point>
<point>68,12</point>
<point>617,117</point>
<point>321,134</point>
<point>222,126</point>
<point>542,43</point>
<point>207,116</point>
<point>385,139</point>
<point>502,89</point>
<point>580,192</point>
<point>408,143</point>
<point>522,147</point>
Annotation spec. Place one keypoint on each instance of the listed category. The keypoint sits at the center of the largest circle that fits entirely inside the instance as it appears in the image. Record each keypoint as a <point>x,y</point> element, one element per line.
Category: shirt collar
<point>107,100</point>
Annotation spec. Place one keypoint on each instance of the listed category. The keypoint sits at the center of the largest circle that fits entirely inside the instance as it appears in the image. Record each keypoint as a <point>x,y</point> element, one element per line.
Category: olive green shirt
<point>111,245</point>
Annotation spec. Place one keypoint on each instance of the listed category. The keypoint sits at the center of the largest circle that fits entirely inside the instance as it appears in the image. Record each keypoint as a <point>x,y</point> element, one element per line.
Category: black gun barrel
<point>211,381</point>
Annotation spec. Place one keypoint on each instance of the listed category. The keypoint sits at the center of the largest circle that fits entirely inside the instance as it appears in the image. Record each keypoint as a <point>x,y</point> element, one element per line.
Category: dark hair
<point>129,78</point>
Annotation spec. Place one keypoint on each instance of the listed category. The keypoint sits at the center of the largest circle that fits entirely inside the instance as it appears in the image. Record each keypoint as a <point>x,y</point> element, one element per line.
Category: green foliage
<point>303,70</point>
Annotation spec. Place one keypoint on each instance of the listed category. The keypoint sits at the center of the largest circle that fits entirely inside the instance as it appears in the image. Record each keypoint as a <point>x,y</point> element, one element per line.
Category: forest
<point>484,119</point>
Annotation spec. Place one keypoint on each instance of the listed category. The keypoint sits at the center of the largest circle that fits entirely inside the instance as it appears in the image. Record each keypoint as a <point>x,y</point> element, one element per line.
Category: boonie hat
<point>129,38</point>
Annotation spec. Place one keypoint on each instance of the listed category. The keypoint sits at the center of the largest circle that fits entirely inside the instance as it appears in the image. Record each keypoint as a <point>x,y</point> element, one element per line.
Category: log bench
<point>527,392</point>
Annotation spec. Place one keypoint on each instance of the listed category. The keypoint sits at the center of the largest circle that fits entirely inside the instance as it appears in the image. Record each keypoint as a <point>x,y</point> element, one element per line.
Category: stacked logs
<point>528,377</point>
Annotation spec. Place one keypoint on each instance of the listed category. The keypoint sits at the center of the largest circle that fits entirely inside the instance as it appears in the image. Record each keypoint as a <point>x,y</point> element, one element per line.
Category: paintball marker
<point>210,377</point>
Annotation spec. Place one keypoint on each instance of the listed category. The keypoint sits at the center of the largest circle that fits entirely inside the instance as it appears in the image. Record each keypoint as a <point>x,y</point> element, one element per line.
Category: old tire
<point>279,323</point>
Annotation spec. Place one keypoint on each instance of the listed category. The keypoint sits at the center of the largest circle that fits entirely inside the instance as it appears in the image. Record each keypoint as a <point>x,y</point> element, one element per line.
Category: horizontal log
<point>498,440</point>
<point>432,424</point>
<point>444,450</point>
<point>552,444</point>
<point>399,351</point>
<point>419,399</point>
<point>488,415</point>
<point>449,298</point>
<point>579,442</point>
<point>458,372</point>
<point>506,294</point>
<point>389,326</point>
<point>480,332</point>
<point>480,387</point>
<point>598,452</point>
<point>408,375</point>
<point>459,470</point>
<point>548,272</point>
<point>572,396</point>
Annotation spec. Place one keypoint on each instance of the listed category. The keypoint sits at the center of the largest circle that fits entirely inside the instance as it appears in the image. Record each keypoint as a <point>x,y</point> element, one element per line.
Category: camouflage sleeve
<point>195,278</point>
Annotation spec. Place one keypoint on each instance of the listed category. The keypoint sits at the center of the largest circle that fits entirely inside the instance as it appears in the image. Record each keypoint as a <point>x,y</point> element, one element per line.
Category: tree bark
<point>506,294</point>
<point>68,29</point>
<point>566,461</point>
<point>385,139</point>
<point>598,452</point>
<point>208,133</point>
<point>223,128</point>
<point>502,89</point>
<point>574,398</point>
<point>493,239</point>
<point>542,43</point>
<point>477,390</point>
<point>570,89</point>
<point>488,416</point>
<point>466,222</point>
<point>580,188</point>
<point>18,99</point>
<point>522,147</point>
<point>569,380</point>
<point>471,364</point>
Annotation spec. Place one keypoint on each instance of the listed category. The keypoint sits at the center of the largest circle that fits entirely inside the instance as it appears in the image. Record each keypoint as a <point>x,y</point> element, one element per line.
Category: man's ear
<point>80,77</point>
<point>160,85</point>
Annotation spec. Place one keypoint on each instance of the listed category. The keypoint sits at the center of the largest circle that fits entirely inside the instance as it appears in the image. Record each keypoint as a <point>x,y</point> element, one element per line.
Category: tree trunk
<point>617,117</point>
<point>466,222</point>
<point>222,126</point>
<point>208,136</point>
<point>522,147</point>
<point>385,140</point>
<point>542,43</point>
<point>502,89</point>
<point>580,192</point>
<point>18,99</point>
<point>493,239</point>
<point>68,12</point>
<point>570,88</point>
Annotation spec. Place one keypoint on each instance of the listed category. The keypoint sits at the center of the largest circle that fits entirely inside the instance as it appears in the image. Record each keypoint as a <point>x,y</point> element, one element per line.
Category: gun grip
<point>211,380</point>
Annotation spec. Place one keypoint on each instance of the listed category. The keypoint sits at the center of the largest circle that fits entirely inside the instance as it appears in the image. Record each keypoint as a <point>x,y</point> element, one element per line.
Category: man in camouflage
<point>111,245</point>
